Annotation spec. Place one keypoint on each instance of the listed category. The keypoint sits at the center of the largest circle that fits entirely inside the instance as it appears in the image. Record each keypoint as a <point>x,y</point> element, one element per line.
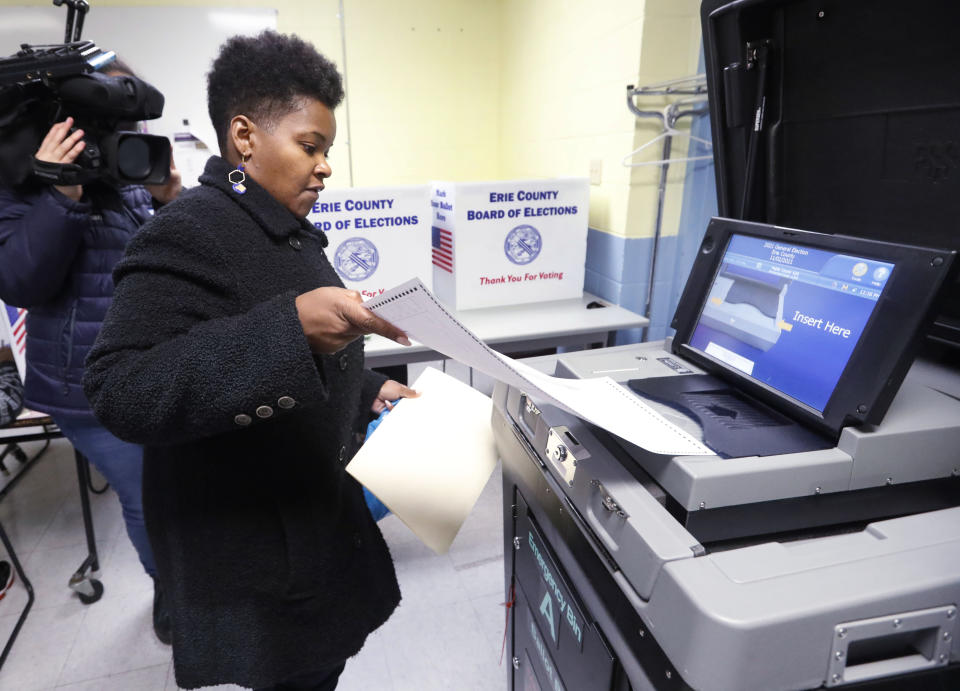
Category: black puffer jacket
<point>273,564</point>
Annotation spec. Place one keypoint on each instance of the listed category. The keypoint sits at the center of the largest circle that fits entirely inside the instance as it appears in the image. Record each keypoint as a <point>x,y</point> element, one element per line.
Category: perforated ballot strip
<point>601,401</point>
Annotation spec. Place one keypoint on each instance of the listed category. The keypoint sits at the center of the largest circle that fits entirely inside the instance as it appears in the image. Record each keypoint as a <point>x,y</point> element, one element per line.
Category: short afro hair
<point>264,77</point>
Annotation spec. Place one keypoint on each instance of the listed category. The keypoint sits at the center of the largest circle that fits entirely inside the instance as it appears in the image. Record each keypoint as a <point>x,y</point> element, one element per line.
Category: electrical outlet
<point>596,171</point>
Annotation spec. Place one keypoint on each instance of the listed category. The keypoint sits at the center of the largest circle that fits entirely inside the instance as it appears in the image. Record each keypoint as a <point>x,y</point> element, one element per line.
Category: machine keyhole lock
<point>562,450</point>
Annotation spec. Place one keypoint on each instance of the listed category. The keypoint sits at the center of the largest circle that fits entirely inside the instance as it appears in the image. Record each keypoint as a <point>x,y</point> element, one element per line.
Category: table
<point>516,328</point>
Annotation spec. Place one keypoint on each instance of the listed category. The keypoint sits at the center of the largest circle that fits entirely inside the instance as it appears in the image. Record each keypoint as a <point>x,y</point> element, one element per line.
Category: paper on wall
<point>430,458</point>
<point>413,308</point>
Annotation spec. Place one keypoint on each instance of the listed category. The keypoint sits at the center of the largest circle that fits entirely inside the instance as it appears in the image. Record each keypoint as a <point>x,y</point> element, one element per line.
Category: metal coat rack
<point>693,101</point>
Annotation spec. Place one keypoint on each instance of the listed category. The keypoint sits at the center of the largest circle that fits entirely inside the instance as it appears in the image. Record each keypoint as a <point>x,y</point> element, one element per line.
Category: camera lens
<point>133,158</point>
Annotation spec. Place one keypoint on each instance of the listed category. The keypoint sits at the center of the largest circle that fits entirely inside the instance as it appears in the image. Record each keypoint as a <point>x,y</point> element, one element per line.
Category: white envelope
<point>431,457</point>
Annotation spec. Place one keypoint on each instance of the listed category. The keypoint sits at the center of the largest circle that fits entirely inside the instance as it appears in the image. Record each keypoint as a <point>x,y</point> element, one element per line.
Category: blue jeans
<point>121,463</point>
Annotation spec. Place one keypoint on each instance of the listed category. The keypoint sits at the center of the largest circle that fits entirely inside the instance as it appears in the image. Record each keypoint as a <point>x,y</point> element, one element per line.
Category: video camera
<point>42,85</point>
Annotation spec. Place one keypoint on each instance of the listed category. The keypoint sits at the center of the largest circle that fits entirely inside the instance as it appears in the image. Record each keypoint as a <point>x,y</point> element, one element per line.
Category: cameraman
<point>58,247</point>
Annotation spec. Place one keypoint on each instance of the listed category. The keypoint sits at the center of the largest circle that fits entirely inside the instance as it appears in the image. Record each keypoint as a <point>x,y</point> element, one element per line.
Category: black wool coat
<point>270,560</point>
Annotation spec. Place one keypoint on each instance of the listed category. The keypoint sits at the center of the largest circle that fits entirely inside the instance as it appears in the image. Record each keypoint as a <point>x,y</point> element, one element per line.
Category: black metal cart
<point>84,580</point>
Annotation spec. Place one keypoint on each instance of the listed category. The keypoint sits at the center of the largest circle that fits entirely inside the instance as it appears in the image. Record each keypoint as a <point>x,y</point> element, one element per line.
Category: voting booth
<point>506,243</point>
<point>379,236</point>
<point>818,545</point>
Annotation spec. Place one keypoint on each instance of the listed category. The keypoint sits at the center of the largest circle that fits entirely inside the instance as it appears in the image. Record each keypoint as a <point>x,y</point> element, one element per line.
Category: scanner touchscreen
<point>789,315</point>
<point>797,334</point>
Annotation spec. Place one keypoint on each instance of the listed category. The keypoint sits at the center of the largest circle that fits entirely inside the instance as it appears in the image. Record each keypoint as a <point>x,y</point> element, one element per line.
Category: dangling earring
<point>238,185</point>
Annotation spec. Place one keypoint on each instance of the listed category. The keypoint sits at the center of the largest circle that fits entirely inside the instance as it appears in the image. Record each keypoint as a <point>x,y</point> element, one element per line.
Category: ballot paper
<point>430,457</point>
<point>601,401</point>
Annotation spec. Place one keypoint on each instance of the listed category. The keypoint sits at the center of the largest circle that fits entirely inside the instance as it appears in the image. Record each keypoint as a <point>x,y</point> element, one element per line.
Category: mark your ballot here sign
<point>379,236</point>
<point>505,243</point>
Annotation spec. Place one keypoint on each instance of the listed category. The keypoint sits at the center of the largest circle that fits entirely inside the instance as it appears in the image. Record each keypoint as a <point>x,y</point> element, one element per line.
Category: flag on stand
<point>442,242</point>
<point>13,330</point>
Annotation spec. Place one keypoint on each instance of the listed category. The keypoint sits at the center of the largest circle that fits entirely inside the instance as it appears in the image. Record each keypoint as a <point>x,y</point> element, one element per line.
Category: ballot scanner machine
<point>819,545</point>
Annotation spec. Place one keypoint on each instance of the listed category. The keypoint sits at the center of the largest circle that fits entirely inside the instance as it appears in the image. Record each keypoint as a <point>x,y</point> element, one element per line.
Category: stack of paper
<point>431,457</point>
<point>601,401</point>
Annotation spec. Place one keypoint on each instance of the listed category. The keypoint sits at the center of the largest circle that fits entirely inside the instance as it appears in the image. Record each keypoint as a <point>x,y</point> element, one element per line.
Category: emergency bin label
<point>554,604</point>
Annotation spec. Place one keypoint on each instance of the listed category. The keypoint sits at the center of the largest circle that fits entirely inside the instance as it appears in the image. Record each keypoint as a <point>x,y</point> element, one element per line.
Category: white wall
<point>170,47</point>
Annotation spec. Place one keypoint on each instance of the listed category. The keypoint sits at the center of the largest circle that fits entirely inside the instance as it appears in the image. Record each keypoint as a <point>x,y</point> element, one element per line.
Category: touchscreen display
<point>787,315</point>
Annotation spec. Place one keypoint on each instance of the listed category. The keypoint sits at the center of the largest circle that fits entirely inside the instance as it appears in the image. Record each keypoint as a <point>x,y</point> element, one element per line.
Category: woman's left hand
<point>389,392</point>
<point>169,190</point>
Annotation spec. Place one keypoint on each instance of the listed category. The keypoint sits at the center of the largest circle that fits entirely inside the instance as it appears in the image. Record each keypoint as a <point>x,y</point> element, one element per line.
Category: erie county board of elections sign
<point>379,236</point>
<point>505,243</point>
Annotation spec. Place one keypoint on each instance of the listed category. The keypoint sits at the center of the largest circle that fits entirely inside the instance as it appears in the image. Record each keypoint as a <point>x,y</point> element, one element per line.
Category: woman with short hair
<point>232,352</point>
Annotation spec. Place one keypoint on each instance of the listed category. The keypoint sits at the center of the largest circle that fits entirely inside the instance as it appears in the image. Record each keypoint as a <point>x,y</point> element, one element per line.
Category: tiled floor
<point>446,634</point>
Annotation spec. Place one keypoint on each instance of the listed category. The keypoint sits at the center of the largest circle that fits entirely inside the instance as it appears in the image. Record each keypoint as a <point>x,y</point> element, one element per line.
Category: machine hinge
<point>607,501</point>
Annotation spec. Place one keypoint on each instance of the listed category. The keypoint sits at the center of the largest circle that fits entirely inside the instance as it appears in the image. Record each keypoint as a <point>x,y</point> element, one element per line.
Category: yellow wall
<point>423,82</point>
<point>566,67</point>
<point>496,89</point>
<point>670,48</point>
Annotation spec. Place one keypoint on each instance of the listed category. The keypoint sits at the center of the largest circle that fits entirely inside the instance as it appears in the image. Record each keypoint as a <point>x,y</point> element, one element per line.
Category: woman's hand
<point>333,317</point>
<point>61,147</point>
<point>390,392</point>
<point>169,190</point>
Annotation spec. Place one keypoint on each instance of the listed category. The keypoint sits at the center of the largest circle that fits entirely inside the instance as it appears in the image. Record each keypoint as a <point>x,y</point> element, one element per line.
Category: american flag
<point>15,319</point>
<point>18,328</point>
<point>442,242</point>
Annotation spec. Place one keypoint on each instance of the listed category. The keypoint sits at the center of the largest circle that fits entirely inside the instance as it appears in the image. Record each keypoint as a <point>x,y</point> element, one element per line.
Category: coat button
<point>295,242</point>
<point>243,420</point>
<point>264,411</point>
<point>286,402</point>
<point>343,453</point>
<point>343,362</point>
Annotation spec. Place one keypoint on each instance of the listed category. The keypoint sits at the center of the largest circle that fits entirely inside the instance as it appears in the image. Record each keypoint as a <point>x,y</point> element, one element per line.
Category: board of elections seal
<point>523,244</point>
<point>356,259</point>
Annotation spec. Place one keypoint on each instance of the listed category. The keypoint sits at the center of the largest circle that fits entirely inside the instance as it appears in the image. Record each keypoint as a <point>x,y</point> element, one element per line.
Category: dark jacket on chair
<point>272,562</point>
<point>56,257</point>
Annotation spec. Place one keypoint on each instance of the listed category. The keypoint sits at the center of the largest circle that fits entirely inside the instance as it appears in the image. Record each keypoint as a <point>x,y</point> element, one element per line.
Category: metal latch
<point>607,501</point>
<point>891,645</point>
<point>530,406</point>
<point>529,413</point>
